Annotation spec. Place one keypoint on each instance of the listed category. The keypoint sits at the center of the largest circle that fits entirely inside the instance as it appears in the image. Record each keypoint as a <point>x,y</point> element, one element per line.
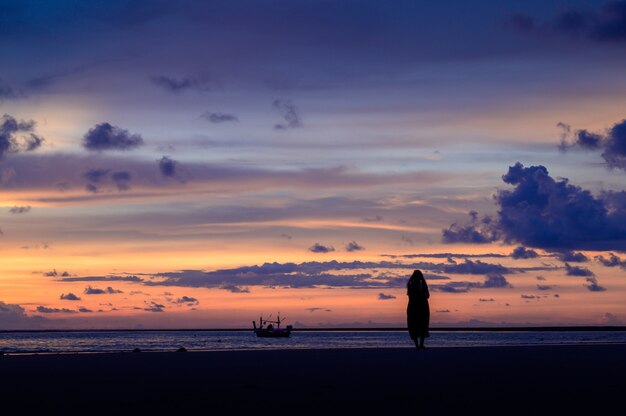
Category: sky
<point>196,164</point>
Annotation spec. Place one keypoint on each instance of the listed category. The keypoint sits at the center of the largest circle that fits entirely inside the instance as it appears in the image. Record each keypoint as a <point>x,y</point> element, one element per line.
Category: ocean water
<point>119,341</point>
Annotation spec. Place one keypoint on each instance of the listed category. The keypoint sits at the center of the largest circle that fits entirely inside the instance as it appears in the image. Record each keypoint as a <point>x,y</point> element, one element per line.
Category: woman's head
<point>417,275</point>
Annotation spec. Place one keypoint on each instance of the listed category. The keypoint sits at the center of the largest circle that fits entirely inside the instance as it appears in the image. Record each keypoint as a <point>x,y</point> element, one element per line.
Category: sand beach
<point>488,380</point>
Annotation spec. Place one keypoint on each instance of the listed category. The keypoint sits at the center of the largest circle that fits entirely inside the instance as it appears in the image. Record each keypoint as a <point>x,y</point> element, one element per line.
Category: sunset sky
<point>195,164</point>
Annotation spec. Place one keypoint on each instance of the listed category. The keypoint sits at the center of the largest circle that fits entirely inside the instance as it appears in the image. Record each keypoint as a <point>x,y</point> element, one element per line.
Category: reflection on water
<point>113,341</point>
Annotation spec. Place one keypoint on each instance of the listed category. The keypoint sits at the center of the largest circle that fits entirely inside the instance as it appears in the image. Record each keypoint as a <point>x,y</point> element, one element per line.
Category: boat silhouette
<point>266,328</point>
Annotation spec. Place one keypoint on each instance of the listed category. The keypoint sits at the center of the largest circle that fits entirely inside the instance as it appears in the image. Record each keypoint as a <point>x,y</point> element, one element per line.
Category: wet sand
<point>486,380</point>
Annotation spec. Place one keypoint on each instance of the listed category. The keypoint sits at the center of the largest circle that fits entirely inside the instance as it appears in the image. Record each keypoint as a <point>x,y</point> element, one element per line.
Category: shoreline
<point>335,348</point>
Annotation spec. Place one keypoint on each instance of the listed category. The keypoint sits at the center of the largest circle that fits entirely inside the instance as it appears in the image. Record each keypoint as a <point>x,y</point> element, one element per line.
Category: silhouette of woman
<point>418,311</point>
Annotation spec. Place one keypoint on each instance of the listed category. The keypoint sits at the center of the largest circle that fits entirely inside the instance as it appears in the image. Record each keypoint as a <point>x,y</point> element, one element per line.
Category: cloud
<point>96,175</point>
<point>611,319</point>
<point>555,215</point>
<point>577,271</point>
<point>475,267</point>
<point>187,300</point>
<point>122,180</point>
<point>584,140</point>
<point>319,248</point>
<point>110,278</point>
<point>612,143</point>
<point>382,296</point>
<point>523,253</point>
<point>69,296</point>
<point>152,306</point>
<point>375,218</point>
<point>542,212</point>
<point>544,287</point>
<point>219,117</point>
<point>308,274</point>
<point>593,286</point>
<point>44,309</point>
<point>492,281</point>
<point>105,136</point>
<point>445,255</point>
<point>354,246</point>
<point>177,85</point>
<point>331,273</point>
<point>13,316</point>
<point>453,287</point>
<point>17,136</point>
<point>608,25</point>
<point>8,93</point>
<point>167,166</point>
<point>571,256</point>
<point>611,261</point>
<point>95,291</point>
<point>289,113</point>
<point>317,310</point>
<point>495,280</point>
<point>475,232</point>
<point>235,288</point>
<point>65,171</point>
<point>530,296</point>
<point>20,210</point>
<point>486,300</point>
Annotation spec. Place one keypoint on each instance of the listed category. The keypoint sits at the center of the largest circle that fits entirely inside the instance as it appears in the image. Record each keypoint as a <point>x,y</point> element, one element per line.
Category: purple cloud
<point>69,296</point>
<point>354,246</point>
<point>382,296</point>
<point>17,136</point>
<point>105,136</point>
<point>320,248</point>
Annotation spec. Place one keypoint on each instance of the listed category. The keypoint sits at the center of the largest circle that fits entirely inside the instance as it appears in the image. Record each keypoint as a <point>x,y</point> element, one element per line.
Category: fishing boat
<point>266,328</point>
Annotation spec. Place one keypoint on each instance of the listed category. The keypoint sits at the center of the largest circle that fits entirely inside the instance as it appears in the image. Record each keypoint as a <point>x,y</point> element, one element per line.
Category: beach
<point>503,380</point>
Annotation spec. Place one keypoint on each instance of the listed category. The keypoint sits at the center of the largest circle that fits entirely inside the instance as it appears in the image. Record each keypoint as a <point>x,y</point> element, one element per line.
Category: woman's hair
<point>417,275</point>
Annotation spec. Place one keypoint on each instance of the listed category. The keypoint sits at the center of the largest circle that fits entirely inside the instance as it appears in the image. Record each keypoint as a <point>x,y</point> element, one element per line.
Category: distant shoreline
<point>582,328</point>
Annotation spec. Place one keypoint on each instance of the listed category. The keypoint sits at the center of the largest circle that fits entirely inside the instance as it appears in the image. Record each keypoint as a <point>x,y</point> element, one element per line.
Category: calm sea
<point>117,341</point>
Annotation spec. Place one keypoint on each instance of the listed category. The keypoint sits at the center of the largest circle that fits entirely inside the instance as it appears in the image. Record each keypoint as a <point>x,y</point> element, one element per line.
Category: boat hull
<point>272,334</point>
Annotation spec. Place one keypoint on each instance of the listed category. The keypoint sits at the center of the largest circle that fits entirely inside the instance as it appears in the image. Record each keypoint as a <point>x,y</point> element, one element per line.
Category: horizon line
<point>556,328</point>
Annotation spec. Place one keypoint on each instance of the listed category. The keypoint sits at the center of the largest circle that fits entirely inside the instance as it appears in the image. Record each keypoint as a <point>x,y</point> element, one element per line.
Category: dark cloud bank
<point>13,316</point>
<point>607,25</point>
<point>330,274</point>
<point>551,214</point>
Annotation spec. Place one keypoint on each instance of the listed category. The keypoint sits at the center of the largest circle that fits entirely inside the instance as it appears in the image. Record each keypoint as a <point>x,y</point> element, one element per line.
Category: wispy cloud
<point>289,113</point>
<point>219,117</point>
<point>181,84</point>
<point>382,296</point>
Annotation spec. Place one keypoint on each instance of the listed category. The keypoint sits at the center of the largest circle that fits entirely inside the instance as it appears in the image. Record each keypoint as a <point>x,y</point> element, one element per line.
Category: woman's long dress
<point>418,310</point>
